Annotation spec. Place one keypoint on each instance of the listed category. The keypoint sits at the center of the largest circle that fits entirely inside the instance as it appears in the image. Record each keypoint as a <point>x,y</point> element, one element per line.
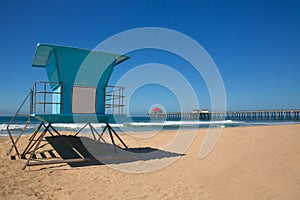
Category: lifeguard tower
<point>77,92</point>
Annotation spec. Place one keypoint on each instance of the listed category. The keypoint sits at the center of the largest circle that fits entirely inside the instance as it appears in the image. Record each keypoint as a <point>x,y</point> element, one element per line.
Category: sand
<point>247,163</point>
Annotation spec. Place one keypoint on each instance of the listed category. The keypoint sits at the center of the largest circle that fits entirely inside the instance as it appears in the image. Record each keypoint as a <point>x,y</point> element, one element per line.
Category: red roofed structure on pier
<point>156,110</point>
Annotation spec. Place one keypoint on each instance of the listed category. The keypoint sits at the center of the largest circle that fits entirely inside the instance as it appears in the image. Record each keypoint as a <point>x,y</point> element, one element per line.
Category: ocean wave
<point>144,126</point>
<point>59,125</point>
<point>272,123</point>
<point>180,123</point>
<point>3,127</point>
<point>15,127</point>
<point>81,125</point>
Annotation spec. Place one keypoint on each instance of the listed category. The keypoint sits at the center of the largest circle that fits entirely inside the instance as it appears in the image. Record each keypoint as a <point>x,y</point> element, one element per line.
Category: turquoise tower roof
<point>76,66</point>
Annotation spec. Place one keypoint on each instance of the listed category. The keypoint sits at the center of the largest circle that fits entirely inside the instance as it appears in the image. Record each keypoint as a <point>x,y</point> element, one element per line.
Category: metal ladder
<point>17,114</point>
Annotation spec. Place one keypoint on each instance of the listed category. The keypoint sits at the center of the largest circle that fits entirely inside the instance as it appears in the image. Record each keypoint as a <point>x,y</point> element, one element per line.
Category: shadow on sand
<point>99,153</point>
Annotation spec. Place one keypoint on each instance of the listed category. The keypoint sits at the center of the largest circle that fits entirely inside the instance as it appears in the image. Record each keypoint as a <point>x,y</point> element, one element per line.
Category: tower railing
<point>42,97</point>
<point>114,100</point>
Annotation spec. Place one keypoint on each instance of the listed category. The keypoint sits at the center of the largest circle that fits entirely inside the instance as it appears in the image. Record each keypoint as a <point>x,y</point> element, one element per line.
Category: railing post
<point>45,97</point>
<point>122,109</point>
<point>114,99</point>
<point>31,101</point>
<point>105,100</point>
<point>113,102</point>
<point>62,99</point>
<point>34,98</point>
<point>119,107</point>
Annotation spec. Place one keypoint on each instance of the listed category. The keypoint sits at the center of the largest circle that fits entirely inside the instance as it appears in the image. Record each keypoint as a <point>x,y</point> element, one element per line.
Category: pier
<point>232,115</point>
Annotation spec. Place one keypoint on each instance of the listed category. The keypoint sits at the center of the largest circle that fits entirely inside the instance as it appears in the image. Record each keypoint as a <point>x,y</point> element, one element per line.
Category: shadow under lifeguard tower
<point>77,92</point>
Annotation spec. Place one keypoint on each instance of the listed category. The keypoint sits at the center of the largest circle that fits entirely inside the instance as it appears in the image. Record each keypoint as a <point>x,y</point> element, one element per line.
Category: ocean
<point>137,124</point>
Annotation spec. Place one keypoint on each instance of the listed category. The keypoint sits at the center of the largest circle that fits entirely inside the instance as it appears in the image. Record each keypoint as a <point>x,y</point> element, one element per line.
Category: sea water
<point>136,124</point>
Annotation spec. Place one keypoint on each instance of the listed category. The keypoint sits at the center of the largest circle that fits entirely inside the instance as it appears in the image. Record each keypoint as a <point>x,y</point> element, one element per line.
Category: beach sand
<point>246,163</point>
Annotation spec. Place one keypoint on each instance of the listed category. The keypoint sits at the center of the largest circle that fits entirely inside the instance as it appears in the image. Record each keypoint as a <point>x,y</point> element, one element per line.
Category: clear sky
<point>255,44</point>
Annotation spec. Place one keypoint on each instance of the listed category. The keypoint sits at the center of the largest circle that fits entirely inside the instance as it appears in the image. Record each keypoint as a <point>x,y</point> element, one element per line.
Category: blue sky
<point>255,44</point>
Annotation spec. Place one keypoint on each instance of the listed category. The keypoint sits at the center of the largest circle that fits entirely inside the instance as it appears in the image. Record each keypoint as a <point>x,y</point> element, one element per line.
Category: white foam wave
<point>15,126</point>
<point>3,127</point>
<point>59,125</point>
<point>179,123</point>
<point>81,125</point>
<point>270,123</point>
